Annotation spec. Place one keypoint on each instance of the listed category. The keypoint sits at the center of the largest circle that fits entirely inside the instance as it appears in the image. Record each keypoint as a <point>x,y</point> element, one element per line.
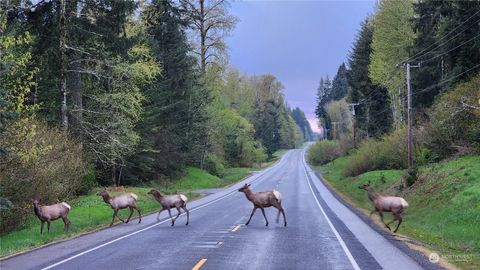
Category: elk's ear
<point>248,185</point>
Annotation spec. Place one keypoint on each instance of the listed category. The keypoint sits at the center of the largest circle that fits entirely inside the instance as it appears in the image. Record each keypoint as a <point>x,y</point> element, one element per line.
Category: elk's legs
<point>188,215</point>
<point>41,227</point>
<point>139,214</point>
<point>131,213</point>
<point>158,216</point>
<point>263,212</point>
<point>170,214</point>
<point>381,217</point>
<point>178,214</point>
<point>251,215</point>
<point>66,223</point>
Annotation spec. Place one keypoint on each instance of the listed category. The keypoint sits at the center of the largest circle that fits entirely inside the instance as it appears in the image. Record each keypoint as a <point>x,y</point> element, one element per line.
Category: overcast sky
<point>296,41</point>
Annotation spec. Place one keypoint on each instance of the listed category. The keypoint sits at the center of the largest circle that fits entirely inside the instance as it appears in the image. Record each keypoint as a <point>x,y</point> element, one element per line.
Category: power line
<point>443,43</point>
<point>433,44</point>
<point>444,81</point>
<point>456,47</point>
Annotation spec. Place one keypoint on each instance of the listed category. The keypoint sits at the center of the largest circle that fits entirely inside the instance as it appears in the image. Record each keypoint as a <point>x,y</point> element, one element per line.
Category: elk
<point>262,200</point>
<point>170,201</point>
<point>386,204</point>
<point>49,213</point>
<point>120,202</point>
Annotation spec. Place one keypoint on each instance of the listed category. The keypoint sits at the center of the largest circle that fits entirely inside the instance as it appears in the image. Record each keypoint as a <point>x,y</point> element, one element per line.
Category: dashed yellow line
<point>199,264</point>
<point>236,228</point>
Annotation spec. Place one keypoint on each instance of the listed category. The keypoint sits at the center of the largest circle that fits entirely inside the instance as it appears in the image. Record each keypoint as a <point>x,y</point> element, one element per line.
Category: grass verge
<point>444,211</point>
<point>89,212</point>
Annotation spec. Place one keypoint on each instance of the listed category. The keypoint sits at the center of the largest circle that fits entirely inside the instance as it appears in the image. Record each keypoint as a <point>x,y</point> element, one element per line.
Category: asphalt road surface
<point>322,233</point>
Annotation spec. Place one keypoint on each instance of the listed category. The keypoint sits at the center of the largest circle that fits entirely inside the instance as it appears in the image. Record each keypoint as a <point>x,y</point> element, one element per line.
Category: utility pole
<point>334,130</point>
<point>352,106</point>
<point>409,115</point>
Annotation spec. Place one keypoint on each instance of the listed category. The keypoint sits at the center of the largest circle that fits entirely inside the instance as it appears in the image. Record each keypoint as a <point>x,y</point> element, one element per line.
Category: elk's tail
<point>404,203</point>
<point>183,198</point>
<point>277,195</point>
<point>134,196</point>
<point>67,205</point>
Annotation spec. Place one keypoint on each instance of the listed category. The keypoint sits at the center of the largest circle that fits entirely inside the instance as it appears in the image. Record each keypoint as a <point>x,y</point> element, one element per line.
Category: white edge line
<point>151,226</point>
<point>340,240</point>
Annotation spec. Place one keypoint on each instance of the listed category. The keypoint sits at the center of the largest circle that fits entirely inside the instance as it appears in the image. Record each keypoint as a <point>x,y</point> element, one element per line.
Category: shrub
<point>455,121</point>
<point>390,152</point>
<point>323,152</point>
<point>214,165</point>
<point>40,162</point>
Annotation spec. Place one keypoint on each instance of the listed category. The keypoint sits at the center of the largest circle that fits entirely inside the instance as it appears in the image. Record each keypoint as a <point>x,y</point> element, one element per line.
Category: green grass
<point>444,211</point>
<point>90,212</point>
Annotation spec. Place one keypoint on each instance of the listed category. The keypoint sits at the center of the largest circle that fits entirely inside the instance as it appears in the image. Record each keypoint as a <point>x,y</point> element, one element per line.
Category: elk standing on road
<point>170,201</point>
<point>120,202</point>
<point>49,213</point>
<point>386,204</point>
<point>262,200</point>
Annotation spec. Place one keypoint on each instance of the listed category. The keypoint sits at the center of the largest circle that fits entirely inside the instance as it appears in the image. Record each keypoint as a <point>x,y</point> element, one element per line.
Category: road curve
<point>322,233</point>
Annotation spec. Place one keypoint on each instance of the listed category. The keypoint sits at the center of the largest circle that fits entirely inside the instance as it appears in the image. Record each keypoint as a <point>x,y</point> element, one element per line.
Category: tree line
<point>126,92</point>
<point>441,36</point>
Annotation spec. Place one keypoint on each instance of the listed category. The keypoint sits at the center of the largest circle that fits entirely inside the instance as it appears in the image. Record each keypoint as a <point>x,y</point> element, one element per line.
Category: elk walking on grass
<point>120,202</point>
<point>171,201</point>
<point>386,204</point>
<point>262,200</point>
<point>49,213</point>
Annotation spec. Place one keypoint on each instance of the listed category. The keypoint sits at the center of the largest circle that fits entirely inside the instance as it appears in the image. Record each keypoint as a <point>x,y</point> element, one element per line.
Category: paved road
<point>322,234</point>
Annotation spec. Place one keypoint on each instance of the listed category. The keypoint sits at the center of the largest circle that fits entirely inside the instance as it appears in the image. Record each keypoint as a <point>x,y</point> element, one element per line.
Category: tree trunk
<point>63,66</point>
<point>203,38</point>
<point>75,80</point>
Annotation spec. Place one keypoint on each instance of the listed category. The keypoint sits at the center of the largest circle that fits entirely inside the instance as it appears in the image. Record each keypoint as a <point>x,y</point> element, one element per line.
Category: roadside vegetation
<point>363,112</point>
<point>444,203</point>
<point>126,103</point>
<point>89,212</point>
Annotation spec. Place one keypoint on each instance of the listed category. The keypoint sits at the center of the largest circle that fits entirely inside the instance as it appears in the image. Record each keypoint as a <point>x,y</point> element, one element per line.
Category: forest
<point>112,93</point>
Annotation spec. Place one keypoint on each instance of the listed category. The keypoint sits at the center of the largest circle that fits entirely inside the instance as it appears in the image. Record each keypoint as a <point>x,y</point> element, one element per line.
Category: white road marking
<point>340,240</point>
<point>159,223</point>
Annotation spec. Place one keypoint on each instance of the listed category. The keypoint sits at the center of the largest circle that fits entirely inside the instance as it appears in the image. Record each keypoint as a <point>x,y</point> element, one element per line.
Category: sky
<point>296,41</point>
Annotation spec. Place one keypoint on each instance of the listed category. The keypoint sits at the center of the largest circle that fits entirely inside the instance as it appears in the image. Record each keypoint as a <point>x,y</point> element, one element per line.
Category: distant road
<point>322,234</point>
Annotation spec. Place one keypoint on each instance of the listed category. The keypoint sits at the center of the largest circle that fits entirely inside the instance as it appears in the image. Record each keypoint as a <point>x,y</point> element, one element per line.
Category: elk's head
<point>152,192</point>
<point>103,192</point>
<point>244,188</point>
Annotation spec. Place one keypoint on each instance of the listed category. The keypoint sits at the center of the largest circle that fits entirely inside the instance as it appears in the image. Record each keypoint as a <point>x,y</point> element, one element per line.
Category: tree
<point>372,117</point>
<point>447,45</point>
<point>174,128</point>
<point>323,97</point>
<point>302,122</point>
<point>340,83</point>
<point>392,41</point>
<point>210,22</point>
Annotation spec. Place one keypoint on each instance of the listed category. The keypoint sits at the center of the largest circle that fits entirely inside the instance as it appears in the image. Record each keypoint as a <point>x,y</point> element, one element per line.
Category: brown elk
<point>386,204</point>
<point>120,202</point>
<point>262,200</point>
<point>170,201</point>
<point>49,213</point>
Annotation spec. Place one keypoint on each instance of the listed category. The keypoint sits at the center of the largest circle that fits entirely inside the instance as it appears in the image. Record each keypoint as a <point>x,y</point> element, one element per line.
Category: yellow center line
<point>199,264</point>
<point>236,228</point>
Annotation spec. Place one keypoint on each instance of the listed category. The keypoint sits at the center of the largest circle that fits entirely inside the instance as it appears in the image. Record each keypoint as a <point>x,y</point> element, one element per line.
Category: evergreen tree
<point>324,96</point>
<point>174,126</point>
<point>300,119</point>
<point>340,83</point>
<point>446,45</point>
<point>373,115</point>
